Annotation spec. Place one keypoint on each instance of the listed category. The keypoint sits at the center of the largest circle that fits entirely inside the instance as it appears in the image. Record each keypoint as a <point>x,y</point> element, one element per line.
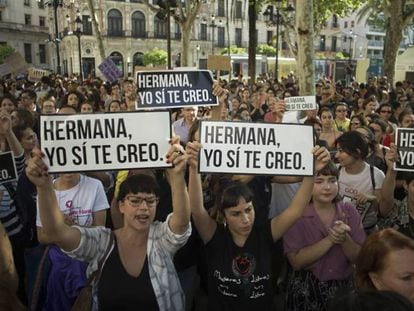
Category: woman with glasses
<point>385,112</point>
<point>138,270</point>
<point>357,121</point>
<point>341,122</point>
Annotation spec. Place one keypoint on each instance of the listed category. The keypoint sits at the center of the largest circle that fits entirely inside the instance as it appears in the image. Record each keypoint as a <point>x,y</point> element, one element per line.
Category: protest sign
<point>301,103</point>
<point>7,167</point>
<point>174,88</point>
<point>405,147</point>
<point>218,62</point>
<point>93,142</point>
<point>14,64</point>
<point>110,70</point>
<point>256,148</point>
<point>35,75</point>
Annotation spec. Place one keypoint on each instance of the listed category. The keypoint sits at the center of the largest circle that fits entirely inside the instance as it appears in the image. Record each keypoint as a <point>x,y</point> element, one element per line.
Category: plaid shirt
<point>161,247</point>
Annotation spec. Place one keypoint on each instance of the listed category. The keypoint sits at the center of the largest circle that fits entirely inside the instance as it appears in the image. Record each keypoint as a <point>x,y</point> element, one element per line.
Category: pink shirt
<point>309,230</point>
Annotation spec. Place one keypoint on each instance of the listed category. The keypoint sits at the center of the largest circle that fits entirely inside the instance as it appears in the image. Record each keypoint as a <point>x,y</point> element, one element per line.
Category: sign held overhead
<point>256,148</point>
<point>93,142</point>
<point>174,88</point>
<point>301,103</point>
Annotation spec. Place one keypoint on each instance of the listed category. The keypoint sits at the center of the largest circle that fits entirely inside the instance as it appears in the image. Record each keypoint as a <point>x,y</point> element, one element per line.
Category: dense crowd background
<point>350,227</point>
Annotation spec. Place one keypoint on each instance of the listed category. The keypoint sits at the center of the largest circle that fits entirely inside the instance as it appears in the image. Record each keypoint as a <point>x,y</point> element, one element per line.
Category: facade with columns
<point>130,28</point>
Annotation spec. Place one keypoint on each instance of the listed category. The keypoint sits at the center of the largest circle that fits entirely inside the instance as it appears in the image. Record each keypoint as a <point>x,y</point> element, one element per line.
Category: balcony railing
<point>377,43</point>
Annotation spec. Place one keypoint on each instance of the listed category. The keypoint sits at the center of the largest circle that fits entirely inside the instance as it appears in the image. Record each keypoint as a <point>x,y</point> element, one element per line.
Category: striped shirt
<point>9,216</point>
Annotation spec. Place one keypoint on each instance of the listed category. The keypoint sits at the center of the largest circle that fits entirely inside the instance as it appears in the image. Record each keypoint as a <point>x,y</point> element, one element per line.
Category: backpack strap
<point>371,171</point>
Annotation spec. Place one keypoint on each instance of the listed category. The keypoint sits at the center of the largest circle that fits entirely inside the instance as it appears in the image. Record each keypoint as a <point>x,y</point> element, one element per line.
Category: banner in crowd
<point>301,103</point>
<point>35,75</point>
<point>174,88</point>
<point>219,62</point>
<point>7,167</point>
<point>256,148</point>
<point>114,141</point>
<point>110,70</point>
<point>14,64</point>
<point>405,147</point>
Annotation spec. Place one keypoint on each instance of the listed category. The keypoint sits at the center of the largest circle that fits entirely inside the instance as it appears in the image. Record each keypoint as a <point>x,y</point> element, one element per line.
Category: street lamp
<point>349,68</point>
<point>197,54</point>
<point>55,4</point>
<point>165,13</point>
<point>78,33</point>
<point>273,19</point>
<point>213,31</point>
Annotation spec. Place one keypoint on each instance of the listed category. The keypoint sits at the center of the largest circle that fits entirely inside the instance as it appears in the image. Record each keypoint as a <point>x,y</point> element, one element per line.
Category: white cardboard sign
<point>110,141</point>
<point>256,148</point>
<point>301,103</point>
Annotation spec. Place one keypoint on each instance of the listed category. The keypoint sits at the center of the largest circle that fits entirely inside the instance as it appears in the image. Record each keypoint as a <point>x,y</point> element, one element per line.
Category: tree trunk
<point>393,37</point>
<point>304,26</point>
<point>252,41</point>
<point>185,44</point>
<point>97,30</point>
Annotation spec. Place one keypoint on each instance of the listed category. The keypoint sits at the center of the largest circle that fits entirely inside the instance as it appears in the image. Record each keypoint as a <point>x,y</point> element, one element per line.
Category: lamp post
<point>197,54</point>
<point>273,19</point>
<point>165,13</point>
<point>55,4</point>
<point>349,68</point>
<point>78,33</point>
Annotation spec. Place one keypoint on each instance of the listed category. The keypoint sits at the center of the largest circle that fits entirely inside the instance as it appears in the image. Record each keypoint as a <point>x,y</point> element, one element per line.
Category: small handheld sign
<point>301,103</point>
<point>174,88</point>
<point>405,147</point>
<point>113,141</point>
<point>256,148</point>
<point>110,70</point>
<point>7,167</point>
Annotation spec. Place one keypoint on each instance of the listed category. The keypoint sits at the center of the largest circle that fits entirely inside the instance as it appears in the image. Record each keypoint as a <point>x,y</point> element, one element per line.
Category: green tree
<point>266,49</point>
<point>233,50</point>
<point>397,15</point>
<point>155,57</point>
<point>5,51</point>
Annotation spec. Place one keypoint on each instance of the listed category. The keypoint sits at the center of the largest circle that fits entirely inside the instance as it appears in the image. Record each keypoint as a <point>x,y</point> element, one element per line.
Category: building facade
<point>24,27</point>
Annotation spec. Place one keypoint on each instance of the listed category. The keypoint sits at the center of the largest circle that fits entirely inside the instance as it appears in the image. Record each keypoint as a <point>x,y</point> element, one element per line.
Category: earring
<point>224,224</point>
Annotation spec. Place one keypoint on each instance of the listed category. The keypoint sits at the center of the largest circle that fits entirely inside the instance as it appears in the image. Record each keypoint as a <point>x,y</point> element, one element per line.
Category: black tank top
<point>117,290</point>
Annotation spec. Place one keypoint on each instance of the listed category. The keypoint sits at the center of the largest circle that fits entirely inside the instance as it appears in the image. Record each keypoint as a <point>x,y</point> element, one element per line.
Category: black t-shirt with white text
<point>240,277</point>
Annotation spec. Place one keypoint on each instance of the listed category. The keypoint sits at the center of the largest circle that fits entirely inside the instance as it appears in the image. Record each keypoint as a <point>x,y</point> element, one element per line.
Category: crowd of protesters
<point>178,240</point>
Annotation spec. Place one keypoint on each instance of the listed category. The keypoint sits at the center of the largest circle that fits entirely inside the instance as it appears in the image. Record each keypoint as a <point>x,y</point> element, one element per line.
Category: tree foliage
<point>185,14</point>
<point>5,51</point>
<point>233,50</point>
<point>397,15</point>
<point>155,57</point>
<point>266,49</point>
<point>324,9</point>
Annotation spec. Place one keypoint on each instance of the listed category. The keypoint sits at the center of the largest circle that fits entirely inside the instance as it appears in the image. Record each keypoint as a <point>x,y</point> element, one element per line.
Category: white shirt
<point>81,201</point>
